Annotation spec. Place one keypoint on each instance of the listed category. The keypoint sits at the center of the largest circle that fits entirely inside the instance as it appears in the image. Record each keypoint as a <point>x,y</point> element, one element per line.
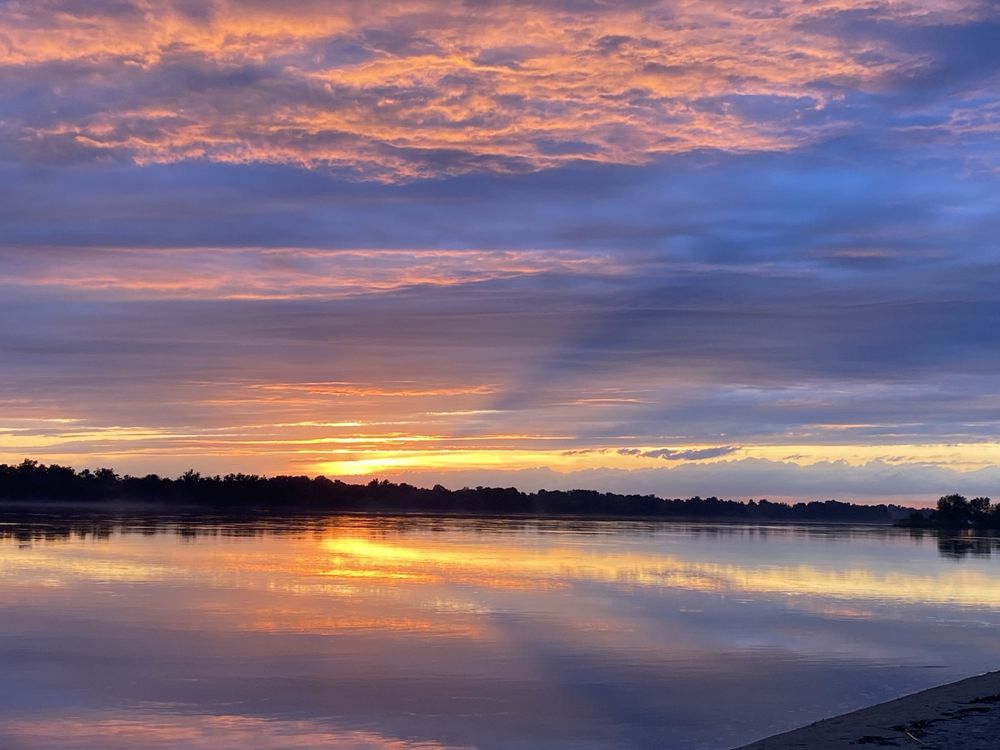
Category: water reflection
<point>153,730</point>
<point>398,632</point>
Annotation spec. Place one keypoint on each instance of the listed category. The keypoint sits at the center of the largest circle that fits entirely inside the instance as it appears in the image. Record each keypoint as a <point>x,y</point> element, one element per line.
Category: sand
<point>961,716</point>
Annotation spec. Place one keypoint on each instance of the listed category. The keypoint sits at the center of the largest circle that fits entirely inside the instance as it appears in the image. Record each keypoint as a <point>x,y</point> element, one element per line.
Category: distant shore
<point>963,715</point>
<point>31,481</point>
<point>194,510</point>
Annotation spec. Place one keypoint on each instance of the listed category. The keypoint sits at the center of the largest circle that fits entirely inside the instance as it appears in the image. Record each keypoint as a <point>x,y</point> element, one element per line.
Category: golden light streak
<point>346,448</point>
<point>278,564</point>
<point>961,586</point>
<point>960,457</point>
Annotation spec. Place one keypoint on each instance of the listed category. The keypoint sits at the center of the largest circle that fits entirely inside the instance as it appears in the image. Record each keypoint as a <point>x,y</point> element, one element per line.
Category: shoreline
<point>252,511</point>
<point>963,715</point>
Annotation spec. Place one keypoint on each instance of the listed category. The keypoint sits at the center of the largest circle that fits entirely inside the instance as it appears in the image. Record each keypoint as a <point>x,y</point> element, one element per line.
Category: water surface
<point>365,632</point>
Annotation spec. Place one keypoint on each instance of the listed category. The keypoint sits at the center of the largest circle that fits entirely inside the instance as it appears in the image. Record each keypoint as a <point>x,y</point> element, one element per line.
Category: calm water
<point>360,632</point>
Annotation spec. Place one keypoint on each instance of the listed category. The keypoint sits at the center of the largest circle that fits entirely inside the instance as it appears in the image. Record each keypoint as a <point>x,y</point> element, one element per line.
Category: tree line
<point>34,481</point>
<point>958,512</point>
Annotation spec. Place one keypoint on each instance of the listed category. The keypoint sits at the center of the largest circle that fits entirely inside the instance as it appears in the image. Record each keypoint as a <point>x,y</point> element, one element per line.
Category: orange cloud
<point>399,91</point>
<point>281,273</point>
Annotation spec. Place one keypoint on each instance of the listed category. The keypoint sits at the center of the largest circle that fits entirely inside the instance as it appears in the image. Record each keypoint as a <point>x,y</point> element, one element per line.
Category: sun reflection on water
<point>400,633</point>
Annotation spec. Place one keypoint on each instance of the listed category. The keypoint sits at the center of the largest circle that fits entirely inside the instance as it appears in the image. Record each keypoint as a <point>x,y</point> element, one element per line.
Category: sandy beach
<point>963,715</point>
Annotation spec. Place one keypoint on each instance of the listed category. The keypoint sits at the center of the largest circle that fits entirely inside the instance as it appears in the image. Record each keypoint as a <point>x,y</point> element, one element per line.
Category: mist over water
<point>420,632</point>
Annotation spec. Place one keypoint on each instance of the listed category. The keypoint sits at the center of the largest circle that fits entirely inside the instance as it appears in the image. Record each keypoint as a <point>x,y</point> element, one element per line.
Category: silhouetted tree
<point>980,506</point>
<point>953,510</point>
<point>30,480</point>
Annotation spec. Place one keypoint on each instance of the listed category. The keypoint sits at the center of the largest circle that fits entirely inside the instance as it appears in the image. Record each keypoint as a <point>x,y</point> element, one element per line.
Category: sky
<point>744,249</point>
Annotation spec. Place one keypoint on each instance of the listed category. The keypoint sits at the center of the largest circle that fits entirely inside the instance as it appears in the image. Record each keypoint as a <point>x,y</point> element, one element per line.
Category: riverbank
<point>31,481</point>
<point>963,715</point>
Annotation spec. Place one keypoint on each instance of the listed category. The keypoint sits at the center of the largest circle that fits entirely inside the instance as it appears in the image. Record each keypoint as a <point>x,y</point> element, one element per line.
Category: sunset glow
<point>744,249</point>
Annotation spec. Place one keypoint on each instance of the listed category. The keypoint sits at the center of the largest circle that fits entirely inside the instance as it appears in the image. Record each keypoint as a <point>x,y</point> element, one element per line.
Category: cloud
<point>571,223</point>
<point>276,273</point>
<point>404,91</point>
<point>671,454</point>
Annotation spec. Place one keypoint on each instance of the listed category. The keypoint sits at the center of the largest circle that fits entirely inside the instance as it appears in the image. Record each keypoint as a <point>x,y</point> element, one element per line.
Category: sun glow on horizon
<point>682,248</point>
<point>424,433</point>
